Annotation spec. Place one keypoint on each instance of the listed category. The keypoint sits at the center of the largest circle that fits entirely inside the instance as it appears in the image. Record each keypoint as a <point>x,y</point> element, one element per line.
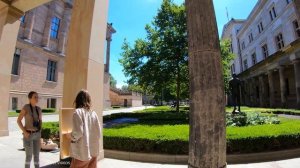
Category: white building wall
<point>283,23</point>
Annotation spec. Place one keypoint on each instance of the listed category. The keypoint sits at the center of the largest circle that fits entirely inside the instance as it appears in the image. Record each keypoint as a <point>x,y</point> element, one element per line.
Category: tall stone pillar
<point>297,79</point>
<point>247,94</point>
<point>271,88</point>
<point>261,90</point>
<point>253,92</point>
<point>47,28</point>
<point>84,67</point>
<point>207,141</point>
<point>63,31</point>
<point>9,26</point>
<point>282,86</point>
<point>29,22</point>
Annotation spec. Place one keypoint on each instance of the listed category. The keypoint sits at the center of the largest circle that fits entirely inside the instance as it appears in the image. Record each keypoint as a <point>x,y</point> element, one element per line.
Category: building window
<point>279,41</point>
<point>232,69</point>
<point>254,61</point>
<point>16,62</point>
<point>55,22</point>
<point>243,45</point>
<point>51,71</point>
<point>250,37</point>
<point>14,103</point>
<point>272,13</point>
<point>265,51</point>
<point>260,27</point>
<point>245,64</point>
<point>231,47</point>
<point>297,28</point>
<point>51,103</point>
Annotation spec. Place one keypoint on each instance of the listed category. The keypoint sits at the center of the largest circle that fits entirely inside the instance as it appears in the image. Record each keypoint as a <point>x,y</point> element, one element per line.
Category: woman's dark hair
<point>83,100</point>
<point>30,94</point>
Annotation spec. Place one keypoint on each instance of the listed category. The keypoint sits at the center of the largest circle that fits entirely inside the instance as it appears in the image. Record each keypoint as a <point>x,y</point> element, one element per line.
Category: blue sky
<point>129,18</point>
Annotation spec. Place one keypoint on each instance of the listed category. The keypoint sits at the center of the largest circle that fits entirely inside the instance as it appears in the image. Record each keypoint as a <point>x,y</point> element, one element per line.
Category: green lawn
<point>172,132</point>
<point>228,109</point>
<point>14,114</point>
<point>162,130</point>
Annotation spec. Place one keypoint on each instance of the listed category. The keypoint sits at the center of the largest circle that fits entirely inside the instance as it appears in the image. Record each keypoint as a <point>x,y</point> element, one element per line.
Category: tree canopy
<point>159,62</point>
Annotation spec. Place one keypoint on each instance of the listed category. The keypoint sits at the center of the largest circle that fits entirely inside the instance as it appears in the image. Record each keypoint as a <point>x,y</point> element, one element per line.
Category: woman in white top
<point>85,135</point>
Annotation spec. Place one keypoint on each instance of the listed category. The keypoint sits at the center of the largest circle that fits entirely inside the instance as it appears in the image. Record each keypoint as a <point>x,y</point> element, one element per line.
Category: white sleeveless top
<point>85,135</point>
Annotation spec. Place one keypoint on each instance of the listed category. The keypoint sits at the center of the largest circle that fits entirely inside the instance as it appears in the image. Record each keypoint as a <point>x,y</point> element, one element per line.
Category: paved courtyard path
<point>12,157</point>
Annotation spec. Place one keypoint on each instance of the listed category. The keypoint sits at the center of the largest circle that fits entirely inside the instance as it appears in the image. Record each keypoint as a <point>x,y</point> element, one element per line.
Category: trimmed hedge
<point>234,146</point>
<point>116,107</point>
<point>50,130</point>
<point>160,136</point>
<point>146,145</point>
<point>49,110</point>
<point>261,144</point>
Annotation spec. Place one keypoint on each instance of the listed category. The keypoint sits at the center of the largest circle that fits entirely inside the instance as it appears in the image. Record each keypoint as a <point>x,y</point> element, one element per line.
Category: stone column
<point>253,92</point>
<point>282,86</point>
<point>271,88</point>
<point>29,22</point>
<point>9,26</point>
<point>84,67</point>
<point>247,92</point>
<point>47,29</point>
<point>261,90</point>
<point>207,141</point>
<point>297,79</point>
<point>63,31</point>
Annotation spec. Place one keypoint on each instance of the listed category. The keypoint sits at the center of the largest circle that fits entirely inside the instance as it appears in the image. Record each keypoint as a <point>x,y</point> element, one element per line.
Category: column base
<point>191,166</point>
<point>4,133</point>
<point>101,155</point>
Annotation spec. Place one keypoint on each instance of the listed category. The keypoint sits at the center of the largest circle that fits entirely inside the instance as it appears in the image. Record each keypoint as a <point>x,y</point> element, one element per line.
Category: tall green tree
<point>113,81</point>
<point>227,57</point>
<point>160,60</point>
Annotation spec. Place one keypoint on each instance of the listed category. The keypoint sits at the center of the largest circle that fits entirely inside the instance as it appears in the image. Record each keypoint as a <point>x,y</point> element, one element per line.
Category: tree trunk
<point>207,147</point>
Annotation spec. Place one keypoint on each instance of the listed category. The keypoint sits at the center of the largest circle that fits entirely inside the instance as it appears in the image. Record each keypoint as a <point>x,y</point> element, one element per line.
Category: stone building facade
<point>38,63</point>
<point>267,49</point>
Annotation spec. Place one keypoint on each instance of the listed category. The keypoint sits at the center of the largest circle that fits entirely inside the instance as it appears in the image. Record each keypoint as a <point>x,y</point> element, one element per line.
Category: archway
<point>84,64</point>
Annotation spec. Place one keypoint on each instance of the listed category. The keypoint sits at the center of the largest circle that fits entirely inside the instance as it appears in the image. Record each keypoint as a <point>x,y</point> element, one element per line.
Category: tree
<point>160,61</point>
<point>227,57</point>
<point>113,81</point>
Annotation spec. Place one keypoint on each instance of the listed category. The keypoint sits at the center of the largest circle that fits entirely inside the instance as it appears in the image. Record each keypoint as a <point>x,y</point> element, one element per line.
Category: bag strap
<point>37,112</point>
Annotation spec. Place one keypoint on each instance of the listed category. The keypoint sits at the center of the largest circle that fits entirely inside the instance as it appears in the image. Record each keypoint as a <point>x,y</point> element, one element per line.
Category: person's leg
<point>93,163</point>
<point>36,149</point>
<point>28,150</point>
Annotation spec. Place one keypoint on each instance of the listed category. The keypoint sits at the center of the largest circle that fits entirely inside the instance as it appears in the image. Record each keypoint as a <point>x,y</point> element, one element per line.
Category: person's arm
<point>77,131</point>
<point>20,124</point>
<point>40,117</point>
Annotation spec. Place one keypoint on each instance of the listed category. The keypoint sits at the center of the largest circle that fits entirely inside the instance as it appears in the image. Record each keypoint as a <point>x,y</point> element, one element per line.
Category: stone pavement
<point>12,157</point>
